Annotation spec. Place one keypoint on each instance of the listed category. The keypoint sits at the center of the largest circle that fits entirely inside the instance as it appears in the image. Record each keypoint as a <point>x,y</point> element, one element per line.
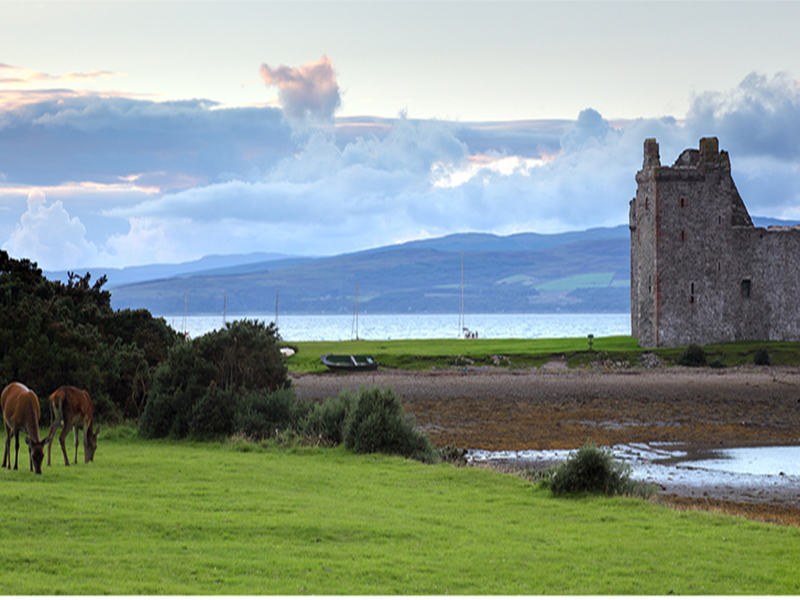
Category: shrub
<point>761,357</point>
<point>694,356</point>
<point>593,470</point>
<point>261,415</point>
<point>213,414</point>
<point>453,455</point>
<point>377,424</point>
<point>240,359</point>
<point>325,422</point>
<point>716,364</point>
<point>179,382</point>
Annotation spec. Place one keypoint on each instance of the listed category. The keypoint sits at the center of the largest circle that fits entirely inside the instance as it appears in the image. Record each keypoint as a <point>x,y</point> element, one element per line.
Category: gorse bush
<point>593,470</point>
<point>325,422</point>
<point>377,423</point>
<point>761,357</point>
<point>694,356</point>
<point>260,416</point>
<point>220,367</point>
<point>214,414</point>
<point>187,402</point>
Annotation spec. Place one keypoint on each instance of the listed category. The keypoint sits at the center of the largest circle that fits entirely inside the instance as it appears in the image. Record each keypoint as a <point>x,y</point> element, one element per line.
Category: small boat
<point>349,362</point>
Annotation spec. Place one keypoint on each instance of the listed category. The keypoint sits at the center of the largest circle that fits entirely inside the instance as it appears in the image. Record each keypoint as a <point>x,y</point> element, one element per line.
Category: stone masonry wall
<point>700,271</point>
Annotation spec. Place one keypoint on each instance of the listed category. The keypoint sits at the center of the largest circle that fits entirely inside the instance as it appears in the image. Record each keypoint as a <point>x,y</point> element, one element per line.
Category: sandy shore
<point>558,408</point>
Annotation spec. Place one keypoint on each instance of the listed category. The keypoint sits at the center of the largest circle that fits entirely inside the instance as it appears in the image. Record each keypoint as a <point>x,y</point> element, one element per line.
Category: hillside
<point>575,272</point>
<point>578,272</point>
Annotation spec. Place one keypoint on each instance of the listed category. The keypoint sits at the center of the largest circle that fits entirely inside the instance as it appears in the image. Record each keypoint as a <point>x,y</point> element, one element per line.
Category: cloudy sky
<point>134,133</point>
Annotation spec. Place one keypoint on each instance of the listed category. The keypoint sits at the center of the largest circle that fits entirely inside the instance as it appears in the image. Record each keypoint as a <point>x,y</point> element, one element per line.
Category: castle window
<point>646,203</point>
<point>683,235</point>
<point>745,288</point>
<point>684,202</point>
<point>691,296</point>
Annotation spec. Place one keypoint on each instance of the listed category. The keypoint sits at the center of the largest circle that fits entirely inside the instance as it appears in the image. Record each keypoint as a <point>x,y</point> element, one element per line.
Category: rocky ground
<point>558,408</point>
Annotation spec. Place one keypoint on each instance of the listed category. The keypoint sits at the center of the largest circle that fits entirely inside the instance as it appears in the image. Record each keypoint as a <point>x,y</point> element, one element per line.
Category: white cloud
<point>49,236</point>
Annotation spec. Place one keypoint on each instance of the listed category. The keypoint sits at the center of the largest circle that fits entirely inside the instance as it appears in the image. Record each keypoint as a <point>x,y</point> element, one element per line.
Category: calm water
<point>771,470</point>
<point>305,328</point>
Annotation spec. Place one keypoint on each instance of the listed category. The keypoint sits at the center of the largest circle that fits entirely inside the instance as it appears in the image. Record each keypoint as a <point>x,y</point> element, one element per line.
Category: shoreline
<point>555,408</point>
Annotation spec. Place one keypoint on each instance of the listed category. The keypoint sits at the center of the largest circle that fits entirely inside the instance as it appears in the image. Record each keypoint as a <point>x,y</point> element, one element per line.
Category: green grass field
<point>182,518</point>
<point>520,353</point>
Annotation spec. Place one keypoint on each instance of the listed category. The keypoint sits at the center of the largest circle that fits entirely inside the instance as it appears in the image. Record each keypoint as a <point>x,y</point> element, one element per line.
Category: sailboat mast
<point>355,316</point>
<point>461,319</point>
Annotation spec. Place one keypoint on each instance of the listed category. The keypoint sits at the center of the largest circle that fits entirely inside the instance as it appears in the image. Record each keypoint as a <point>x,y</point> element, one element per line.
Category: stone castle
<point>700,271</point>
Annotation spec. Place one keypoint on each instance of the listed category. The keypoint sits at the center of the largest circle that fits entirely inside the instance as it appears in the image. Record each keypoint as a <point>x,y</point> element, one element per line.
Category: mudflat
<point>558,408</point>
<point>554,407</point>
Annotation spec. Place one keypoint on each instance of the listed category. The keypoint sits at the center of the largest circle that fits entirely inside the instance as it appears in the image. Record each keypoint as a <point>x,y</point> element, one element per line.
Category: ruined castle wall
<point>765,301</point>
<point>715,278</point>
<point>691,242</point>
<point>643,260</point>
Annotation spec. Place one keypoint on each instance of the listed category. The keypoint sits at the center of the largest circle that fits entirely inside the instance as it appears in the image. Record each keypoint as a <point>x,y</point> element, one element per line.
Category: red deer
<point>73,408</point>
<point>20,408</point>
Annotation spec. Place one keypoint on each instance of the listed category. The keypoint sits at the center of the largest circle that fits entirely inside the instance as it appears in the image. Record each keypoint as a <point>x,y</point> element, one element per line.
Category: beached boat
<point>349,362</point>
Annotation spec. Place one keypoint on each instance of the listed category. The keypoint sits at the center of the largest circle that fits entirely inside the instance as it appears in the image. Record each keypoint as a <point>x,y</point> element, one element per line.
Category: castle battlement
<point>700,271</point>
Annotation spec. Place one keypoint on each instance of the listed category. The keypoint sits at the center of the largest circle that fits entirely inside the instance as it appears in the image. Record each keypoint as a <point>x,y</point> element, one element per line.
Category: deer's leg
<point>77,439</point>
<point>7,450</point>
<point>16,455</point>
<point>53,427</point>
<point>63,439</point>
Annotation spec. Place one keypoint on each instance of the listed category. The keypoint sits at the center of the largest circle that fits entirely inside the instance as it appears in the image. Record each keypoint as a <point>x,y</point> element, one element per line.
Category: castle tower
<point>700,271</point>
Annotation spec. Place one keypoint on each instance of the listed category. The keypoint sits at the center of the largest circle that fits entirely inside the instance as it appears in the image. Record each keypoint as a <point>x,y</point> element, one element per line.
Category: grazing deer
<point>73,408</point>
<point>20,408</point>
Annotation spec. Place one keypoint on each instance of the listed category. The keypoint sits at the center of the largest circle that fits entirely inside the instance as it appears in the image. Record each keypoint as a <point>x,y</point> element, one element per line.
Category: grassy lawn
<point>181,518</point>
<point>518,353</point>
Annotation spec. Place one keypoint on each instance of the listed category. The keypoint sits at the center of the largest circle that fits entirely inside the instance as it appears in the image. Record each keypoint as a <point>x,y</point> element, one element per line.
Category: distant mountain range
<point>574,272</point>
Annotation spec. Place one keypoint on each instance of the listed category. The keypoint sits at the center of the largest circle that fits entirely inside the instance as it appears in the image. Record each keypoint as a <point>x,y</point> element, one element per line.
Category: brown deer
<point>20,408</point>
<point>73,408</point>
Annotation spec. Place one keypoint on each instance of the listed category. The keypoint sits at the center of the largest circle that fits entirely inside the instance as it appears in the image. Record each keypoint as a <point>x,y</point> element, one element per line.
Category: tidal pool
<point>764,474</point>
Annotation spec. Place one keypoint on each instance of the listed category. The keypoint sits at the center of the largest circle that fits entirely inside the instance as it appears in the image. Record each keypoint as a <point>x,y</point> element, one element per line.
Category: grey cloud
<point>307,93</point>
<point>175,143</point>
<point>759,117</point>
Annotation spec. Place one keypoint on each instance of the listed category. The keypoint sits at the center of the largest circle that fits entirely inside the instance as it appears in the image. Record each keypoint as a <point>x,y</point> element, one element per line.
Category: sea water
<point>306,328</point>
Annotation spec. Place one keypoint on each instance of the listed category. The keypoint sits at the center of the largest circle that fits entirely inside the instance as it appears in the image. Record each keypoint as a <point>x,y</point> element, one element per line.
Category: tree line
<point>54,333</point>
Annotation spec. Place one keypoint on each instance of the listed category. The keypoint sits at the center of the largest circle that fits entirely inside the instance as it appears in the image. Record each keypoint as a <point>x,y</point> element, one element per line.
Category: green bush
<point>453,455</point>
<point>761,357</point>
<point>260,416</point>
<point>377,423</point>
<point>241,359</point>
<point>694,356</point>
<point>593,470</point>
<point>179,382</point>
<point>325,422</point>
<point>716,364</point>
<point>213,414</point>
